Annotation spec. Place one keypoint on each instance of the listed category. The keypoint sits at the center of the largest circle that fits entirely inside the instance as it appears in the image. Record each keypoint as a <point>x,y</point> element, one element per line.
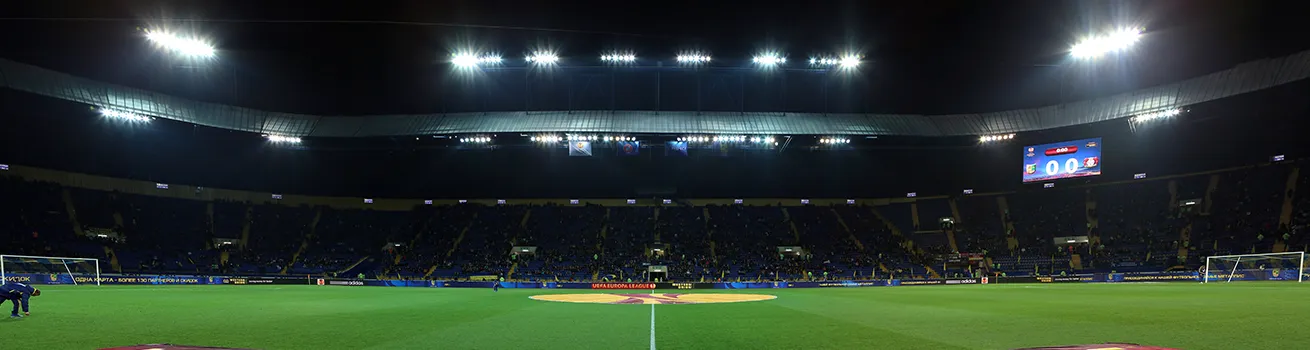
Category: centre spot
<point>644,298</point>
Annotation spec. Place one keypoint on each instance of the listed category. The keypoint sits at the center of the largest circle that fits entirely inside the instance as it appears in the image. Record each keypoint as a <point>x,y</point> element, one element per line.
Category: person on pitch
<point>18,293</point>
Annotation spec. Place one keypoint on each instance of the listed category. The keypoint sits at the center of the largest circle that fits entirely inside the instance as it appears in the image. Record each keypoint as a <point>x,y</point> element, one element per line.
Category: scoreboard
<point>1062,160</point>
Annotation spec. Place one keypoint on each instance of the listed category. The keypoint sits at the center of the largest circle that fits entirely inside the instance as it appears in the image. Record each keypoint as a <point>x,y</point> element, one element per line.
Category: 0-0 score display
<point>1062,160</point>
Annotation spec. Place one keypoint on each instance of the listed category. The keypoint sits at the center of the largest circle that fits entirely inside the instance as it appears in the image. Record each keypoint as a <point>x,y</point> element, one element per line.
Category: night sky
<point>389,57</point>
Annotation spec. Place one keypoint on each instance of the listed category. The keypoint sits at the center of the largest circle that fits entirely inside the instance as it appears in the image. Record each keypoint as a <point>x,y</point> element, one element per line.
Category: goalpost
<point>52,266</point>
<point>1269,266</point>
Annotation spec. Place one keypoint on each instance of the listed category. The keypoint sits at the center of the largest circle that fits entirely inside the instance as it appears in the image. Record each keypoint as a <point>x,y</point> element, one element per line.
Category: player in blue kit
<point>18,293</point>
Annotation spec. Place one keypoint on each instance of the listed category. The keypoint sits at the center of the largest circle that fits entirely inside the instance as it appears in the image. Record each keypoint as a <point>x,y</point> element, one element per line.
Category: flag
<point>676,148</point>
<point>580,148</point>
<point>629,148</point>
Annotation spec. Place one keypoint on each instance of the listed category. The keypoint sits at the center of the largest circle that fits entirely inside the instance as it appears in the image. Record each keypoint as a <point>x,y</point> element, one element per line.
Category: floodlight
<point>1101,45</point>
<point>1155,115</point>
<point>543,58</point>
<point>122,115</point>
<point>282,139</point>
<point>693,58</point>
<point>850,61</point>
<point>618,58</point>
<point>469,60</point>
<point>464,60</point>
<point>990,138</point>
<point>768,60</point>
<point>189,47</point>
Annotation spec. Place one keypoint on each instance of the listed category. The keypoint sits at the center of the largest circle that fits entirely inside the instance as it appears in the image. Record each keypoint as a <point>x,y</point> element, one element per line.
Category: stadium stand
<point>1137,225</point>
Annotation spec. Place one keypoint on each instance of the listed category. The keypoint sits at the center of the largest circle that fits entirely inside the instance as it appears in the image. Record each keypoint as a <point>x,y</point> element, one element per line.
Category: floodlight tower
<point>1100,45</point>
<point>1094,47</point>
<point>198,53</point>
<point>184,46</point>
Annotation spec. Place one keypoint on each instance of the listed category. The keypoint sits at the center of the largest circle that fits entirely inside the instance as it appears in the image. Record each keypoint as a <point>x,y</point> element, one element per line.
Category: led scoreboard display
<point>1062,160</point>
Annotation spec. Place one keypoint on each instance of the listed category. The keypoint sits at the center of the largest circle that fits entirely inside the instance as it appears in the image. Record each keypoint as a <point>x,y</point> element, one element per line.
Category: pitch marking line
<point>652,326</point>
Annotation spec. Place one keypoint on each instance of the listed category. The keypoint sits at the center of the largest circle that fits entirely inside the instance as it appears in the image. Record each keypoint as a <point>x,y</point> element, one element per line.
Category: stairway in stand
<point>1285,215</point>
<point>905,241</point>
<point>850,234</point>
<point>1004,207</point>
<point>304,244</point>
<point>955,217</point>
<point>796,234</point>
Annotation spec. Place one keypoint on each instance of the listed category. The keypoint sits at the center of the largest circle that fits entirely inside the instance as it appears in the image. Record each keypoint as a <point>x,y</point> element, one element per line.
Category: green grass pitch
<point>1250,315</point>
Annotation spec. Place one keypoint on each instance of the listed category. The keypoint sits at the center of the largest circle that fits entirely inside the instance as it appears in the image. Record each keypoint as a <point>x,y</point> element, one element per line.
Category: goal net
<point>1255,267</point>
<point>49,270</point>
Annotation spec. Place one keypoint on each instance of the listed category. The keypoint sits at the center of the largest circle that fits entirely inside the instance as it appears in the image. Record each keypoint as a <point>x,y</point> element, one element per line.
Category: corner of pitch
<point>651,298</point>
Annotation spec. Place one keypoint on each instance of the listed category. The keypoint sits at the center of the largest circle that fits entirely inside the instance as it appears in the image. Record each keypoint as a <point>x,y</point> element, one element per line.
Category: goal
<point>1288,266</point>
<point>49,270</point>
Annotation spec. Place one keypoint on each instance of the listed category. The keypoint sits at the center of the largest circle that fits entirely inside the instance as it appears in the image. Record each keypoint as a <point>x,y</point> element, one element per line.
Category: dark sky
<point>921,56</point>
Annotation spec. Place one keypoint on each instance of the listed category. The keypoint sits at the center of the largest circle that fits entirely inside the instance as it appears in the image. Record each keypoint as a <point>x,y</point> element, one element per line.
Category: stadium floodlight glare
<point>464,60</point>
<point>543,58</point>
<point>123,115</point>
<point>282,139</point>
<point>991,138</point>
<point>693,58</point>
<point>618,58</point>
<point>469,60</point>
<point>1098,46</point>
<point>769,60</point>
<point>847,61</point>
<point>850,61</point>
<point>546,138</point>
<point>187,47</point>
<point>1141,118</point>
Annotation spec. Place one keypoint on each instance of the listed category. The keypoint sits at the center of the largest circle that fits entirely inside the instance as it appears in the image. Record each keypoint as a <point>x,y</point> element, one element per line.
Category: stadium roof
<point>1242,79</point>
<point>929,69</point>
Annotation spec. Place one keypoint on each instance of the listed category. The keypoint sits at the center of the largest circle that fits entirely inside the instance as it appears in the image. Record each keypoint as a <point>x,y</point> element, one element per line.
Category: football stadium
<point>444,175</point>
